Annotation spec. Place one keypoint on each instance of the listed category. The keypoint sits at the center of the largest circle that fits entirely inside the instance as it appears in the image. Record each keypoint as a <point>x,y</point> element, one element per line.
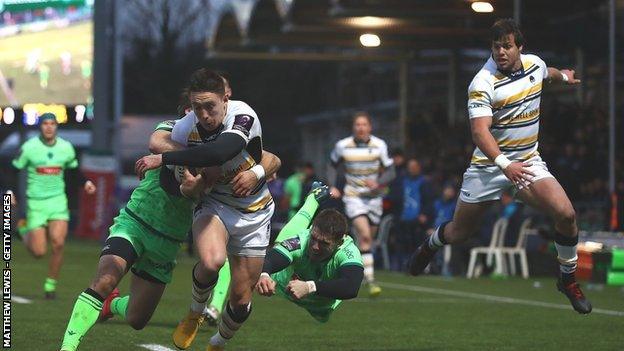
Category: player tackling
<point>225,224</point>
<point>504,111</point>
<point>313,267</point>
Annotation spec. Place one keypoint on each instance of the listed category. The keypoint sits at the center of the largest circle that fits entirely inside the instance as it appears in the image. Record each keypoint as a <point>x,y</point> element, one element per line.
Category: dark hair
<point>205,80</point>
<point>361,114</point>
<point>225,76</point>
<point>504,27</point>
<point>332,223</point>
<point>183,103</point>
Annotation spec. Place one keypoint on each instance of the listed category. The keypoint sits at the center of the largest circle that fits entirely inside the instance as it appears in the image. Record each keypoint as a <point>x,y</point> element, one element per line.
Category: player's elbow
<point>352,294</point>
<point>352,291</point>
<point>477,135</point>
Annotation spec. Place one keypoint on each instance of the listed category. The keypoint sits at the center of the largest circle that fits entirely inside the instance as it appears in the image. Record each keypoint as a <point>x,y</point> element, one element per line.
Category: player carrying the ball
<point>145,238</point>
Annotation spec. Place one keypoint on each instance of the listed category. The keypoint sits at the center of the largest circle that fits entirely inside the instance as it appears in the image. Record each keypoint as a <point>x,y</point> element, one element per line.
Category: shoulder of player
<point>32,141</point>
<point>186,123</point>
<point>348,249</point>
<point>487,75</point>
<point>378,142</point>
<point>344,142</point>
<point>530,57</point>
<point>529,60</point>
<point>238,107</point>
<point>63,142</point>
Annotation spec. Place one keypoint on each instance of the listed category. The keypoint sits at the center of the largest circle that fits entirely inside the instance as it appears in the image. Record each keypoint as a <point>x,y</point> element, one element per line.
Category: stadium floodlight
<point>8,116</point>
<point>371,21</point>
<point>370,40</point>
<point>482,7</point>
<point>80,113</point>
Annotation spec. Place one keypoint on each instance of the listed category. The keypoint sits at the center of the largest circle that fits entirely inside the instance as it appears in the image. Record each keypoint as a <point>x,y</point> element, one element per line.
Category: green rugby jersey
<point>301,267</point>
<point>167,215</point>
<point>45,165</point>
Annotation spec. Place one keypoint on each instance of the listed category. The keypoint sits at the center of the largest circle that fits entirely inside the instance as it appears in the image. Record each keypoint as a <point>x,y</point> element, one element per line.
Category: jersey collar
<point>358,142</point>
<point>44,142</point>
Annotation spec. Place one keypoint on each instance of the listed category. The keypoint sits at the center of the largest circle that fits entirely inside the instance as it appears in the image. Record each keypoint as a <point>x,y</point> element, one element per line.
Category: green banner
<point>25,5</point>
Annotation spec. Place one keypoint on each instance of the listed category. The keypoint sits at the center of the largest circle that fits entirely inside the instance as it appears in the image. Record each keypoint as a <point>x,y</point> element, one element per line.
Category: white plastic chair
<point>520,249</point>
<point>381,241</point>
<point>493,251</point>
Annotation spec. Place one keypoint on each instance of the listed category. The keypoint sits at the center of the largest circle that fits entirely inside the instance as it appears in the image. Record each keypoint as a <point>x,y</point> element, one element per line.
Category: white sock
<point>434,240</point>
<point>200,294</point>
<point>369,267</point>
<point>228,326</point>
<point>217,339</point>
<point>567,258</point>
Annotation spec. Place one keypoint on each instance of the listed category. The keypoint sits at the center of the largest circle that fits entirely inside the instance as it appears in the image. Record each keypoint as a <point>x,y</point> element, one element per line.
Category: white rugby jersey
<point>242,120</point>
<point>514,103</point>
<point>362,161</point>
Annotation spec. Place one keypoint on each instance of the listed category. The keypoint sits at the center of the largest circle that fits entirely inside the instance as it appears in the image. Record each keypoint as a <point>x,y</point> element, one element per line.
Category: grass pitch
<point>68,89</point>
<point>428,313</point>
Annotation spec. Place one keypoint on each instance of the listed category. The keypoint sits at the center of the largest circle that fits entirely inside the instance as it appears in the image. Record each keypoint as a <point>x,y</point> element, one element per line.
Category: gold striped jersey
<point>513,101</point>
<point>362,160</point>
<point>242,120</point>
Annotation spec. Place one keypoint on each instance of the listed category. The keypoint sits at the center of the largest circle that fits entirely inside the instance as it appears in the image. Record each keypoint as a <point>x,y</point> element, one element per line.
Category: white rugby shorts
<point>488,183</point>
<point>370,207</point>
<point>248,233</point>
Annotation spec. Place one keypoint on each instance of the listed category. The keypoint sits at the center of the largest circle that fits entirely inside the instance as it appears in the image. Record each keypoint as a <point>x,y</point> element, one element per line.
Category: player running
<point>225,224</point>
<point>315,268</point>
<point>46,157</point>
<point>504,110</point>
<point>146,240</point>
<point>367,170</point>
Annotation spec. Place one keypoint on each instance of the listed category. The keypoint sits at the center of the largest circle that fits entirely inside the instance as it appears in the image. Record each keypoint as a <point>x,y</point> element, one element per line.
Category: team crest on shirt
<point>291,244</point>
<point>50,155</point>
<point>532,79</point>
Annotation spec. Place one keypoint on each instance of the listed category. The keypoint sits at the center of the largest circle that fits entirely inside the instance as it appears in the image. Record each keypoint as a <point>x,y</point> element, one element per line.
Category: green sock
<point>221,290</point>
<point>49,285</point>
<point>300,221</point>
<point>84,315</point>
<point>119,305</point>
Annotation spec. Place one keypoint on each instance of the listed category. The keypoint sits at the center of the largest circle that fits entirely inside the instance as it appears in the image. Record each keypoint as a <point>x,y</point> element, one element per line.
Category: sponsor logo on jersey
<point>291,244</point>
<point>243,123</point>
<point>49,170</point>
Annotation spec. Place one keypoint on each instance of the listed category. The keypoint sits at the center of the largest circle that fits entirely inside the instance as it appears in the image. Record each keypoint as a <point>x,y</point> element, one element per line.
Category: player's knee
<point>58,246</point>
<point>104,285</point>
<point>212,263</point>
<point>37,251</point>
<point>567,216</point>
<point>240,296</point>
<point>137,322</point>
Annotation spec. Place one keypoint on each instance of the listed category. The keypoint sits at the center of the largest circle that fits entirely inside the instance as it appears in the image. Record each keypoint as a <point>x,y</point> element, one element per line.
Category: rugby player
<point>368,169</point>
<point>504,111</point>
<point>146,240</point>
<point>230,136</point>
<point>46,157</point>
<point>315,268</point>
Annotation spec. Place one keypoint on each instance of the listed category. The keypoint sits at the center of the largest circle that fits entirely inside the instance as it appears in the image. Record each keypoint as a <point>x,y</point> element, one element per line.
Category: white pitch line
<point>374,300</point>
<point>493,298</point>
<point>156,347</point>
<point>19,299</point>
